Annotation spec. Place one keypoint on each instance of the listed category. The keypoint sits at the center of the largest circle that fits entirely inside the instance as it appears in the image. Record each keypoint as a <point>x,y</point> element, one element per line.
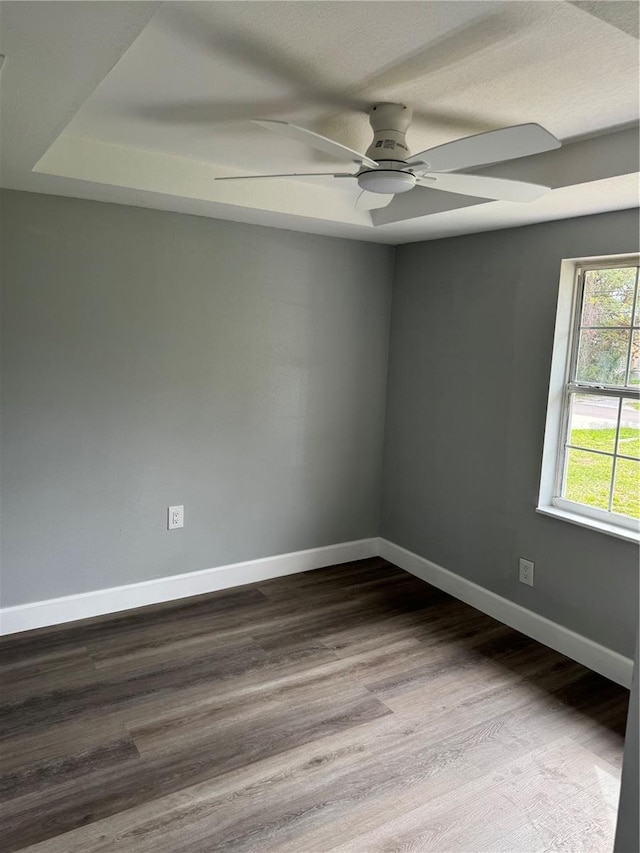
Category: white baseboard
<point>592,655</point>
<point>56,611</point>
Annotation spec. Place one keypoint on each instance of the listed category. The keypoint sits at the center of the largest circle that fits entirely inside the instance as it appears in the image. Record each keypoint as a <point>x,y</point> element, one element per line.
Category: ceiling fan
<point>387,170</point>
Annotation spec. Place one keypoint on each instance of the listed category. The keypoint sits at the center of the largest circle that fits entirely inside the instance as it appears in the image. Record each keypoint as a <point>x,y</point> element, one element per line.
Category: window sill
<point>591,523</point>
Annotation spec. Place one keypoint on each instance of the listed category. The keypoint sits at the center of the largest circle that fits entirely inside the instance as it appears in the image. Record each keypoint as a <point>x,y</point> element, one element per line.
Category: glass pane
<point>602,356</point>
<point>634,361</point>
<point>593,422</point>
<point>629,441</point>
<point>608,297</point>
<point>588,478</point>
<point>626,490</point>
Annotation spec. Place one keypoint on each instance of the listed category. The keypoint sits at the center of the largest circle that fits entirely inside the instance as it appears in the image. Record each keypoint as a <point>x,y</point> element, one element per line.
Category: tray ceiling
<point>145,103</point>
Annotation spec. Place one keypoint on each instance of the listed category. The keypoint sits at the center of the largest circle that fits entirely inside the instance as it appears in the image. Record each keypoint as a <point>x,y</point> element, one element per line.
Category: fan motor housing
<point>389,123</point>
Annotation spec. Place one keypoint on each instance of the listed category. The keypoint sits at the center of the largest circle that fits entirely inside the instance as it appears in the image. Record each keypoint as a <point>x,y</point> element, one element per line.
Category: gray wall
<point>628,827</point>
<point>472,330</point>
<point>152,359</point>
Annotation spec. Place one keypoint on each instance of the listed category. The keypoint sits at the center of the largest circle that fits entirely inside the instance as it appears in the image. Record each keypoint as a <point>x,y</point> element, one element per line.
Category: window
<point>591,465</point>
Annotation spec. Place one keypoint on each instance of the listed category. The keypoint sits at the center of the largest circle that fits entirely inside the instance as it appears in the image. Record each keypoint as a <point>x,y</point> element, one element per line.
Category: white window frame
<point>564,352</point>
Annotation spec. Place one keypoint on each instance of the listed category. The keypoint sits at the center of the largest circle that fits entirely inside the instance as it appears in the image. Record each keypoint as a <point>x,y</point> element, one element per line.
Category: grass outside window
<point>588,474</point>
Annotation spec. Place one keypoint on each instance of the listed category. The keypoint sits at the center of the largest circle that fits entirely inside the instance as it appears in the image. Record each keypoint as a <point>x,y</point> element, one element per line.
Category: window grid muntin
<point>634,306</point>
<point>572,386</point>
<point>602,452</point>
<point>616,445</point>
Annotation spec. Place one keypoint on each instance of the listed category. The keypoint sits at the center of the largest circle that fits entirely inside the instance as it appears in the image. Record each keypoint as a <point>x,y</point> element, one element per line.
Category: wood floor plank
<point>537,783</point>
<point>238,795</point>
<point>341,576</point>
<point>584,822</point>
<point>72,667</point>
<point>59,741</point>
<point>121,786</point>
<point>47,773</point>
<point>348,709</point>
<point>119,691</point>
<point>232,741</point>
<point>438,622</point>
<point>402,764</point>
<point>146,654</point>
<point>125,627</point>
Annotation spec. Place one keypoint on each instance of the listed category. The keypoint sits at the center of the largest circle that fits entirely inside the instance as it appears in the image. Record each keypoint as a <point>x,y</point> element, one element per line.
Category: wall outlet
<point>526,571</point>
<point>175,517</point>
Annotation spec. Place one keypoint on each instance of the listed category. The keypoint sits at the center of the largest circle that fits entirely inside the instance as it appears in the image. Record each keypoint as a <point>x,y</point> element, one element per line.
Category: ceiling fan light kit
<point>387,169</point>
<point>386,180</point>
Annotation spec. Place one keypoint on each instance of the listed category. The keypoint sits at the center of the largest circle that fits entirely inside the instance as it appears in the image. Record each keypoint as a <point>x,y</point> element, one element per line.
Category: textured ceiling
<point>146,103</point>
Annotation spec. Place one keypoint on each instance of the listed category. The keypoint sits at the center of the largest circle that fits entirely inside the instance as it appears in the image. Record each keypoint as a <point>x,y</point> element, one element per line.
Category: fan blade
<point>471,122</point>
<point>482,33</point>
<point>288,175</point>
<point>482,186</point>
<point>495,146</point>
<point>372,201</point>
<point>208,111</point>
<point>315,140</point>
<point>215,37</point>
<point>622,16</point>
<point>212,37</point>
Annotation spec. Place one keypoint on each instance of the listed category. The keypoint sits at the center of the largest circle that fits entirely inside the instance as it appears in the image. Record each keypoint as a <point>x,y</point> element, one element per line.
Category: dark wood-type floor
<point>352,709</point>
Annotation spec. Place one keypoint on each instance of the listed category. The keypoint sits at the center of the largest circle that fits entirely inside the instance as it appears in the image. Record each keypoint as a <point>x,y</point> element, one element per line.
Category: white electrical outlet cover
<point>526,571</point>
<point>175,517</point>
